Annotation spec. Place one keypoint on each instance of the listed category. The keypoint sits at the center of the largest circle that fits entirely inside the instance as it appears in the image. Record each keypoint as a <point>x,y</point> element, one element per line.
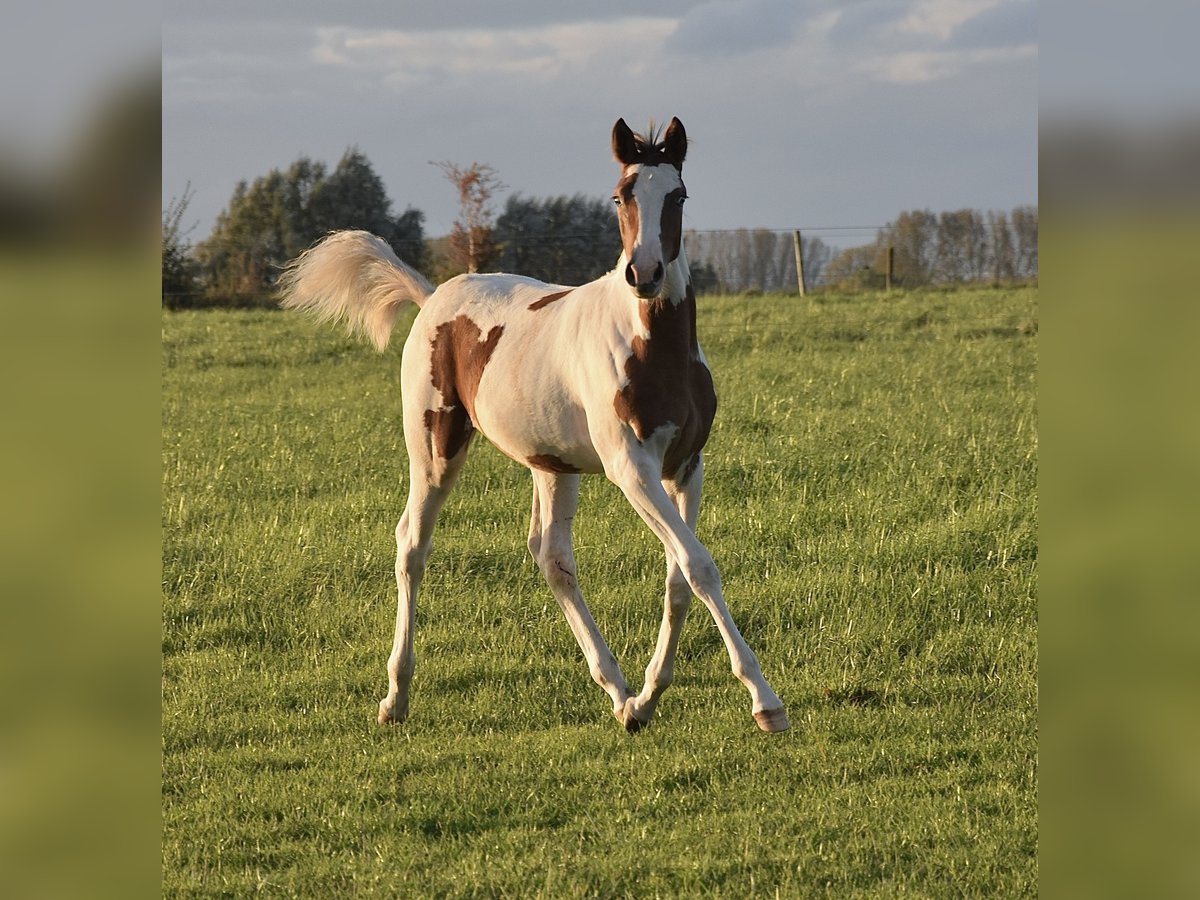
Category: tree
<point>179,270</point>
<point>248,240</point>
<point>471,244</point>
<point>961,247</point>
<point>760,259</point>
<point>1025,236</point>
<point>704,278</point>
<point>914,237</point>
<point>1003,252</point>
<point>855,267</point>
<point>281,214</point>
<point>954,247</point>
<point>564,240</point>
<point>817,255</point>
<point>353,196</point>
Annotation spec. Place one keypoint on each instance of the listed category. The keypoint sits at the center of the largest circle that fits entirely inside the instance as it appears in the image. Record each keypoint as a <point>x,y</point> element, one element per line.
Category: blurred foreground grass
<point>1120,628</point>
<point>78,551</point>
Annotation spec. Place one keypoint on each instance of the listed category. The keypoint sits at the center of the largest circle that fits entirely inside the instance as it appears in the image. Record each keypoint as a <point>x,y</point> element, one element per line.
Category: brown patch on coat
<point>548,462</point>
<point>548,299</point>
<point>451,429</point>
<point>669,385</point>
<point>459,354</point>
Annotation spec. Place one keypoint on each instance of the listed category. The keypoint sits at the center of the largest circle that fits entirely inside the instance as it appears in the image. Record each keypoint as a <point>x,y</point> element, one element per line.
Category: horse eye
<point>616,200</point>
<point>681,199</point>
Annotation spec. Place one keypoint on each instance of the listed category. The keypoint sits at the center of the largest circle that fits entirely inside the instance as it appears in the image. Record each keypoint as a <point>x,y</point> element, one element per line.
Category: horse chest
<point>668,385</point>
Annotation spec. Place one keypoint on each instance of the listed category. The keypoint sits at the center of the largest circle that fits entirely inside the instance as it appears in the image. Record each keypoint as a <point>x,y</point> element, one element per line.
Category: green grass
<point>870,499</point>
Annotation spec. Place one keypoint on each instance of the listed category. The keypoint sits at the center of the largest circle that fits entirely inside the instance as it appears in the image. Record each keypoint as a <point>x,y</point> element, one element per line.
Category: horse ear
<point>624,145</point>
<point>675,144</point>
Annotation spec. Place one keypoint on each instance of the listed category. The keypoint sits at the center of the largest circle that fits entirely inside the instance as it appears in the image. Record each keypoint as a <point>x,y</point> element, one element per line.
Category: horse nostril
<point>658,272</point>
<point>630,276</point>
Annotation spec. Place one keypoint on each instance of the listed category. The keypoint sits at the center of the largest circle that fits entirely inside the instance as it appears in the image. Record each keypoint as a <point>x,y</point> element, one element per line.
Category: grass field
<point>870,499</point>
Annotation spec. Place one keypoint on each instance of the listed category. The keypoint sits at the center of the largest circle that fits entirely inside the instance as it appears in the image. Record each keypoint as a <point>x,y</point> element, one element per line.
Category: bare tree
<point>741,259</point>
<point>1004,259</point>
<point>914,235</point>
<point>179,270</point>
<point>1025,236</point>
<point>471,243</point>
<point>961,247</point>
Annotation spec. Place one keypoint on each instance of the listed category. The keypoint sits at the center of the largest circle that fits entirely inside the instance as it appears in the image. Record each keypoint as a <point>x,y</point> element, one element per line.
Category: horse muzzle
<point>646,284</point>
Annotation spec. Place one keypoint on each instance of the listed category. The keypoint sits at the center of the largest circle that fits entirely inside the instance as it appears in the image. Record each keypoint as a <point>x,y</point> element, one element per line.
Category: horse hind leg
<point>430,482</point>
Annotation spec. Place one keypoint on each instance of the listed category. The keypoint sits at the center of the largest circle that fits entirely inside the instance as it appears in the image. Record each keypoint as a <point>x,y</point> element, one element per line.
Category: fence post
<point>796,244</point>
<point>891,268</point>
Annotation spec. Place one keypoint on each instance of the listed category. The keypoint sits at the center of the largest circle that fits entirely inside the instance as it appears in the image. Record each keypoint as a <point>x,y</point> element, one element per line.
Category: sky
<point>807,114</point>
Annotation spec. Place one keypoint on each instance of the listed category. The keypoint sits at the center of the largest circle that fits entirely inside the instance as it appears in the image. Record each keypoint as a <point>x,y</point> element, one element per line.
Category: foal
<point>606,377</point>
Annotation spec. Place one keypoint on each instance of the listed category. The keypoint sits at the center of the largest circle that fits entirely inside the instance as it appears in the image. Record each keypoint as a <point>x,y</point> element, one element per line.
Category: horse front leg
<point>550,542</point>
<point>661,670</point>
<point>638,480</point>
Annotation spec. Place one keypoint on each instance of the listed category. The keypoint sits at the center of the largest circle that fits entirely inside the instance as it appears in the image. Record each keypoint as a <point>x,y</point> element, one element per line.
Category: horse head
<point>649,199</point>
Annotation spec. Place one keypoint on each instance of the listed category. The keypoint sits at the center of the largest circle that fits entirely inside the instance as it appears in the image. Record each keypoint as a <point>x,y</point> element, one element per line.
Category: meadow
<point>871,500</point>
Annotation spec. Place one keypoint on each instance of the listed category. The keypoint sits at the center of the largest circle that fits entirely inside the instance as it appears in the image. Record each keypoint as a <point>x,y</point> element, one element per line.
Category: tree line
<point>956,247</point>
<point>563,240</point>
<point>731,262</point>
<point>275,218</point>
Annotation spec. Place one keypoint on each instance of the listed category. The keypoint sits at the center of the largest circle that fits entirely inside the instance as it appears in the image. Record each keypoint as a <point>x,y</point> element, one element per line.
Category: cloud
<point>402,58</point>
<point>938,19</point>
<point>732,27</point>
<point>389,15</point>
<point>1006,25</point>
<point>921,66</point>
<point>929,40</point>
<point>860,22</point>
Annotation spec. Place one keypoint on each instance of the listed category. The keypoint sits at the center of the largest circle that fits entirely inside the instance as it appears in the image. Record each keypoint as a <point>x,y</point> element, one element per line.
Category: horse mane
<point>652,138</point>
<point>650,144</point>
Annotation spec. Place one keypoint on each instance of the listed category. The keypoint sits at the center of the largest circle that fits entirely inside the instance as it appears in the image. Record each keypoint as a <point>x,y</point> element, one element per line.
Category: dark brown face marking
<point>458,356</point>
<point>548,462</point>
<point>668,384</point>
<point>548,299</point>
<point>627,212</point>
<point>671,224</point>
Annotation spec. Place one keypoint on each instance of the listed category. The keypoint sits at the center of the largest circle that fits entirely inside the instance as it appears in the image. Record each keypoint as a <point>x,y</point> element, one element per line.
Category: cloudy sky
<point>801,113</point>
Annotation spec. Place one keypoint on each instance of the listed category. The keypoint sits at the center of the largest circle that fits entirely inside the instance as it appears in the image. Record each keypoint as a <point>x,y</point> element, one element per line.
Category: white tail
<point>353,275</point>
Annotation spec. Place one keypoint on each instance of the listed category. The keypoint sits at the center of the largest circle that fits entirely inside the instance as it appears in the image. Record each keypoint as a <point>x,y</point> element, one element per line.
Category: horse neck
<point>679,279</point>
<point>670,319</point>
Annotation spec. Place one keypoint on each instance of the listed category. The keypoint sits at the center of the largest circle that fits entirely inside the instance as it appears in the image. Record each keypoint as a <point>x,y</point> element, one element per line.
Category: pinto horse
<point>605,377</point>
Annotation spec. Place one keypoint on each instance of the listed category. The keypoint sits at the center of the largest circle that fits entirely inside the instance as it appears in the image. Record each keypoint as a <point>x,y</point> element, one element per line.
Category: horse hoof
<point>772,720</point>
<point>633,725</point>
<point>389,716</point>
<point>626,717</point>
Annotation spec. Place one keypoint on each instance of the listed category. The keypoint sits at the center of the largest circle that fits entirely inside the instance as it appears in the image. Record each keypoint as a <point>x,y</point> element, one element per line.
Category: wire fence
<point>767,260</point>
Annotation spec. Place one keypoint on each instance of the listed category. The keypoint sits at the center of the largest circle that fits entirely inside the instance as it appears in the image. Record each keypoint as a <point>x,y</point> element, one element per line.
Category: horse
<point>606,377</point>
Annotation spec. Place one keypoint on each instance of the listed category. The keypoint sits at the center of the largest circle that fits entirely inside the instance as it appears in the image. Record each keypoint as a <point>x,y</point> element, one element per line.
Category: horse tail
<point>353,275</point>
